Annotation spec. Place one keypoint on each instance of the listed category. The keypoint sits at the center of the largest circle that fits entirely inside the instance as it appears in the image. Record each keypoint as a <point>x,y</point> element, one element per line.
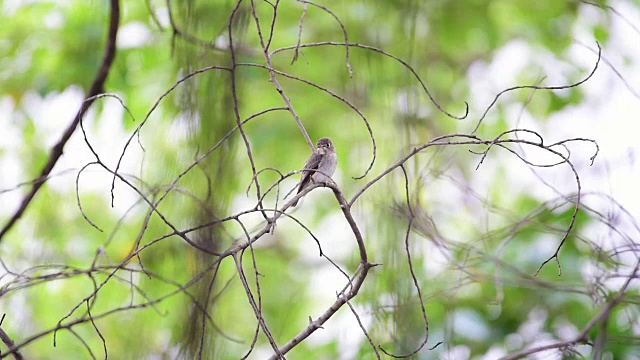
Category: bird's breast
<point>326,168</point>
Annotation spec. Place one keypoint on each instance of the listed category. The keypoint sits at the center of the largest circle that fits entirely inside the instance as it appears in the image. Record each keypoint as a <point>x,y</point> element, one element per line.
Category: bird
<point>320,166</point>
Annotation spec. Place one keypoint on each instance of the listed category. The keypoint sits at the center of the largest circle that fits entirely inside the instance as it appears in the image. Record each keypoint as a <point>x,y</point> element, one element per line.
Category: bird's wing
<point>311,164</point>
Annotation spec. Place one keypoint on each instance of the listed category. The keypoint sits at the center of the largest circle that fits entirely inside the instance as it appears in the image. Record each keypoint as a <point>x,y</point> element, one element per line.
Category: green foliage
<point>475,245</point>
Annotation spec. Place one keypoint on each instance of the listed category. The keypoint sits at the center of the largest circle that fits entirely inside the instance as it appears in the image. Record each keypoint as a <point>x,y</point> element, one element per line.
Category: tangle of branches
<point>515,142</point>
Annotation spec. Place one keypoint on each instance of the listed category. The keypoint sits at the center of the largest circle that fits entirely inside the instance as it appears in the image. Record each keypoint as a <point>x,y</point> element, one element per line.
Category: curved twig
<point>96,87</point>
<point>537,87</point>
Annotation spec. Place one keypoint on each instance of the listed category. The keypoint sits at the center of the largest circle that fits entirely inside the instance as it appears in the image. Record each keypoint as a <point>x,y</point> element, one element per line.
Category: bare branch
<point>96,87</point>
<point>583,336</point>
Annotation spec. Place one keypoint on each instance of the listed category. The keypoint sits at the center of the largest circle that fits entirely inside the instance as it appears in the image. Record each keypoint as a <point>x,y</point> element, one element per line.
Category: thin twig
<point>96,87</point>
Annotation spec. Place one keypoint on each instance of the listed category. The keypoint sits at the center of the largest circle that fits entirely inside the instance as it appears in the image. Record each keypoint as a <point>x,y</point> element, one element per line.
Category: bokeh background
<point>480,231</point>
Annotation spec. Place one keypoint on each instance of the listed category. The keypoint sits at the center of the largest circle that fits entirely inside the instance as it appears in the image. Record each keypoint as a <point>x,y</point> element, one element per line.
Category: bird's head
<point>324,145</point>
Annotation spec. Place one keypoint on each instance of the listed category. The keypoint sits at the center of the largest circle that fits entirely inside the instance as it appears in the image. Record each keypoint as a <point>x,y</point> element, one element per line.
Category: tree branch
<point>57,150</point>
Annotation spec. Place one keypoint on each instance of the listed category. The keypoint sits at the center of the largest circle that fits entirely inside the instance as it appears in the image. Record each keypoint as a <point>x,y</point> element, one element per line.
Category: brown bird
<point>320,166</point>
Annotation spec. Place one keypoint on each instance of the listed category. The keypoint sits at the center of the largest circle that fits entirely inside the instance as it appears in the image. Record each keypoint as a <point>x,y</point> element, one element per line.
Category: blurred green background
<point>478,236</point>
